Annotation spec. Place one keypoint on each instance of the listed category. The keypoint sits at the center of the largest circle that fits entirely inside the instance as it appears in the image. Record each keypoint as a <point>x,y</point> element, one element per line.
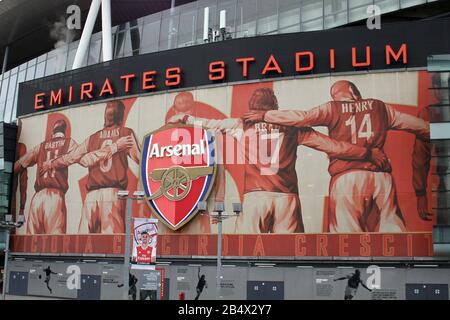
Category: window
<point>441,181</point>
<point>50,67</point>
<point>169,29</point>
<point>358,9</point>
<point>187,25</point>
<point>387,5</point>
<point>230,7</point>
<point>201,5</point>
<point>30,72</point>
<point>71,55</point>
<point>335,13</point>
<point>95,49</point>
<point>40,68</point>
<point>267,16</point>
<point>409,3</point>
<point>246,18</point>
<point>150,34</point>
<point>289,16</point>
<point>312,15</point>
<point>4,90</point>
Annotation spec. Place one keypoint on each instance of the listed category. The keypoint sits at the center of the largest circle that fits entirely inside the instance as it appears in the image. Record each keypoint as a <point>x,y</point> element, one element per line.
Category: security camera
<point>122,193</point>
<point>202,207</point>
<point>237,208</point>
<point>139,195</point>
<point>219,207</point>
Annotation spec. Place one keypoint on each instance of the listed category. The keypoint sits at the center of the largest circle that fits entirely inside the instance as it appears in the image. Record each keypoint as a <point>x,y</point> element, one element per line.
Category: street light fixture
<point>219,209</point>
<point>125,195</point>
<point>9,224</point>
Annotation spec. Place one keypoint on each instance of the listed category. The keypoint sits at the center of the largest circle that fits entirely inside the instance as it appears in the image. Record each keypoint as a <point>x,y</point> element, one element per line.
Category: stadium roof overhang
<point>25,24</point>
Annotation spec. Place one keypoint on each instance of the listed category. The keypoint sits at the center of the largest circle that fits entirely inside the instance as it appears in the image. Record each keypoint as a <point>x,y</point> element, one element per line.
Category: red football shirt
<point>144,255</point>
<point>56,178</point>
<point>112,172</point>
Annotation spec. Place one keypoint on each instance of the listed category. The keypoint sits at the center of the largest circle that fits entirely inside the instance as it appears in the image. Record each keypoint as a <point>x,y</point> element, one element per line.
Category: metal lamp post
<point>124,195</point>
<point>219,209</point>
<point>8,224</point>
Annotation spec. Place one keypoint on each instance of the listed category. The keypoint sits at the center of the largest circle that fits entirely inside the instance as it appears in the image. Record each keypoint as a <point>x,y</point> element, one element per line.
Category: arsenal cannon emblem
<point>178,168</point>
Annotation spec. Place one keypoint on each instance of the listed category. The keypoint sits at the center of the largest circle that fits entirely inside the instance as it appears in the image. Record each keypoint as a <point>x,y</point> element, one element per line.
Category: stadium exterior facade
<point>273,49</point>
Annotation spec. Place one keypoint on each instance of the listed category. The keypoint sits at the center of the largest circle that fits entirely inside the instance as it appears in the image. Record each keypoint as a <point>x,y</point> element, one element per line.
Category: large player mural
<point>325,155</point>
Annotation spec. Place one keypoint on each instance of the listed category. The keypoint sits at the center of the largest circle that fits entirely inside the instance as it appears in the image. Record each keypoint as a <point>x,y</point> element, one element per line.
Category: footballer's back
<point>361,122</point>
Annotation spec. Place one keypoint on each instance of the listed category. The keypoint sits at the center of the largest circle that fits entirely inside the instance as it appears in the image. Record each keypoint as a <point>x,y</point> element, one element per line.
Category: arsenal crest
<point>177,171</point>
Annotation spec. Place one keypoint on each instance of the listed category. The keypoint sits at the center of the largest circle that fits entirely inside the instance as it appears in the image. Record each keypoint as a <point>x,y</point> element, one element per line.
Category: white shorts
<point>48,213</point>
<point>270,212</point>
<point>364,201</point>
<point>103,212</point>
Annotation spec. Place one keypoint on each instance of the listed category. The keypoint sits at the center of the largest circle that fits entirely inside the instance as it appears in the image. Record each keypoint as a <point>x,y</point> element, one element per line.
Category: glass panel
<point>230,7</point>
<point>311,9</point>
<point>334,6</point>
<point>441,200</point>
<point>30,73</point>
<point>443,217</point>
<point>21,77</point>
<point>40,68</point>
<point>8,110</point>
<point>150,36</point>
<point>289,16</point>
<point>135,35</point>
<point>127,48</point>
<point>201,5</point>
<point>119,42</point>
<point>168,35</point>
<point>358,9</point>
<point>312,25</point>
<point>387,5</point>
<point>440,62</point>
<point>439,113</point>
<point>440,88</point>
<point>336,13</point>
<point>335,20</point>
<point>50,68</point>
<point>42,58</point>
<point>267,16</point>
<point>4,90</point>
<point>409,3</point>
<point>61,59</point>
<point>442,147</point>
<point>12,86</point>
<point>71,56</point>
<point>95,48</point>
<point>246,18</point>
<point>442,181</point>
<point>23,66</point>
<point>187,26</point>
<point>32,62</point>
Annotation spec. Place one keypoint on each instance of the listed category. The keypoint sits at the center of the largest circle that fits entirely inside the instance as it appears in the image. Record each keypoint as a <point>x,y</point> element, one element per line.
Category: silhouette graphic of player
<point>132,280</point>
<point>354,280</point>
<point>106,153</point>
<point>271,203</point>
<point>48,273</point>
<point>357,188</point>
<point>201,284</point>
